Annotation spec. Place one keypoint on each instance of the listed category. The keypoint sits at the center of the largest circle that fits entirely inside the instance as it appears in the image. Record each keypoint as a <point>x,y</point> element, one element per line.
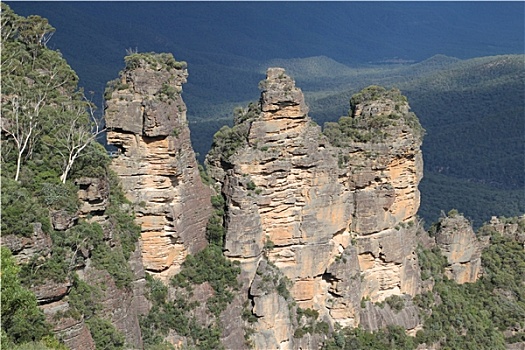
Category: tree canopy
<point>44,113</point>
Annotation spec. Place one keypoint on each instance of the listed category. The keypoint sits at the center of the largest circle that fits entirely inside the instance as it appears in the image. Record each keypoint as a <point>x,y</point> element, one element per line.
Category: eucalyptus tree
<point>41,102</point>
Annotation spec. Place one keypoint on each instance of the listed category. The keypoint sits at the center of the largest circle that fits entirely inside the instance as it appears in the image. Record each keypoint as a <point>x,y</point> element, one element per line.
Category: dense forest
<point>49,133</point>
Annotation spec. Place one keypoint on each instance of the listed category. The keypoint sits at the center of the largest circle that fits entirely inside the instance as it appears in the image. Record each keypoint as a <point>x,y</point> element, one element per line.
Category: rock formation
<point>510,229</point>
<point>146,120</point>
<point>335,216</point>
<point>459,244</point>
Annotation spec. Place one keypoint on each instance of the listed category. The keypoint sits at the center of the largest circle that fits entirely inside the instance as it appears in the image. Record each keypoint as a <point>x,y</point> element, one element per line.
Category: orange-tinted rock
<point>156,165</point>
<point>336,219</point>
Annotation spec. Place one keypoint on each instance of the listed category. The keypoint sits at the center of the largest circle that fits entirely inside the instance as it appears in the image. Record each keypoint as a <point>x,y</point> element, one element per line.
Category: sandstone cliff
<point>146,120</point>
<point>335,215</point>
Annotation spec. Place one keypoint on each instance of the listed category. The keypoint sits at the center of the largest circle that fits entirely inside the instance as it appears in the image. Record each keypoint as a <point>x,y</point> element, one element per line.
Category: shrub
<point>105,335</point>
<point>20,210</point>
<point>395,302</point>
<point>22,320</point>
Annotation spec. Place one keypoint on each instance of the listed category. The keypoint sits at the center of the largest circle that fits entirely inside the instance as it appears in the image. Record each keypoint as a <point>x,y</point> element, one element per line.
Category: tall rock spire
<point>146,120</point>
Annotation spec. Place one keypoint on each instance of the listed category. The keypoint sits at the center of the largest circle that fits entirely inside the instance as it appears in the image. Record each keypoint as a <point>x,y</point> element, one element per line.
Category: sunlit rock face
<point>336,218</point>
<point>459,244</point>
<point>155,162</point>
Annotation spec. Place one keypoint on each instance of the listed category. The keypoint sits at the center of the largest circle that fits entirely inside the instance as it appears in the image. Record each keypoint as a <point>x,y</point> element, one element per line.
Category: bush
<point>395,302</point>
<point>105,335</point>
<point>22,320</point>
<point>210,265</point>
<point>156,60</point>
<point>20,210</point>
<point>214,228</point>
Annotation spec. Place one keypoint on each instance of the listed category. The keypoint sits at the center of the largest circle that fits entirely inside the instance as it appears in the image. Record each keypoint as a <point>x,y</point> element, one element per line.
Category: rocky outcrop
<point>335,216</point>
<point>379,316</point>
<point>93,194</point>
<point>26,248</point>
<point>459,244</point>
<point>121,306</point>
<point>146,120</point>
<point>513,229</point>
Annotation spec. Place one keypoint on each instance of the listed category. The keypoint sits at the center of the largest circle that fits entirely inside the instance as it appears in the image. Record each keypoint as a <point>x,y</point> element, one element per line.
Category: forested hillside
<point>49,154</point>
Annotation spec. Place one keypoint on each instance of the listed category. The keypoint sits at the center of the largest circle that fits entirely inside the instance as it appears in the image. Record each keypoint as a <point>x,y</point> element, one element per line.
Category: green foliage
<point>164,316</point>
<point>155,60</point>
<point>215,228</point>
<point>94,162</point>
<point>268,244</point>
<point>59,196</point>
<point>22,320</point>
<point>83,299</point>
<point>47,343</point>
<point>371,93</point>
<point>111,86</point>
<point>467,316</point>
<point>175,315</point>
<point>46,144</point>
<point>308,323</point>
<point>251,186</point>
<point>20,210</point>
<point>371,128</point>
<point>283,287</point>
<point>210,265</point>
<point>393,337</point>
<point>168,92</point>
<point>114,262</point>
<point>432,263</point>
<point>474,315</point>
<point>204,175</point>
<point>247,313</point>
<point>157,291</point>
<point>240,115</point>
<point>105,335</point>
<point>39,269</point>
<point>395,302</point>
<point>122,223</point>
<point>45,119</point>
<point>228,140</point>
<point>86,236</point>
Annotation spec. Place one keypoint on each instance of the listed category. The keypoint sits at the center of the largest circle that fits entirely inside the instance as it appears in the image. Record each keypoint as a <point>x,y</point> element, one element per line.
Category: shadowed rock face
<point>156,164</point>
<point>338,221</point>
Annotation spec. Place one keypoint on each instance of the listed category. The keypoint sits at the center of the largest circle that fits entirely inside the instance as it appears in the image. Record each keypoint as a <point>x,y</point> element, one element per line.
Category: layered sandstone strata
<point>336,217</point>
<point>146,120</point>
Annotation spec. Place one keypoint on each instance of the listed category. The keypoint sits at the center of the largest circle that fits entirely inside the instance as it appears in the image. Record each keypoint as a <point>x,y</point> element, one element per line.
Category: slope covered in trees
<point>48,151</point>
